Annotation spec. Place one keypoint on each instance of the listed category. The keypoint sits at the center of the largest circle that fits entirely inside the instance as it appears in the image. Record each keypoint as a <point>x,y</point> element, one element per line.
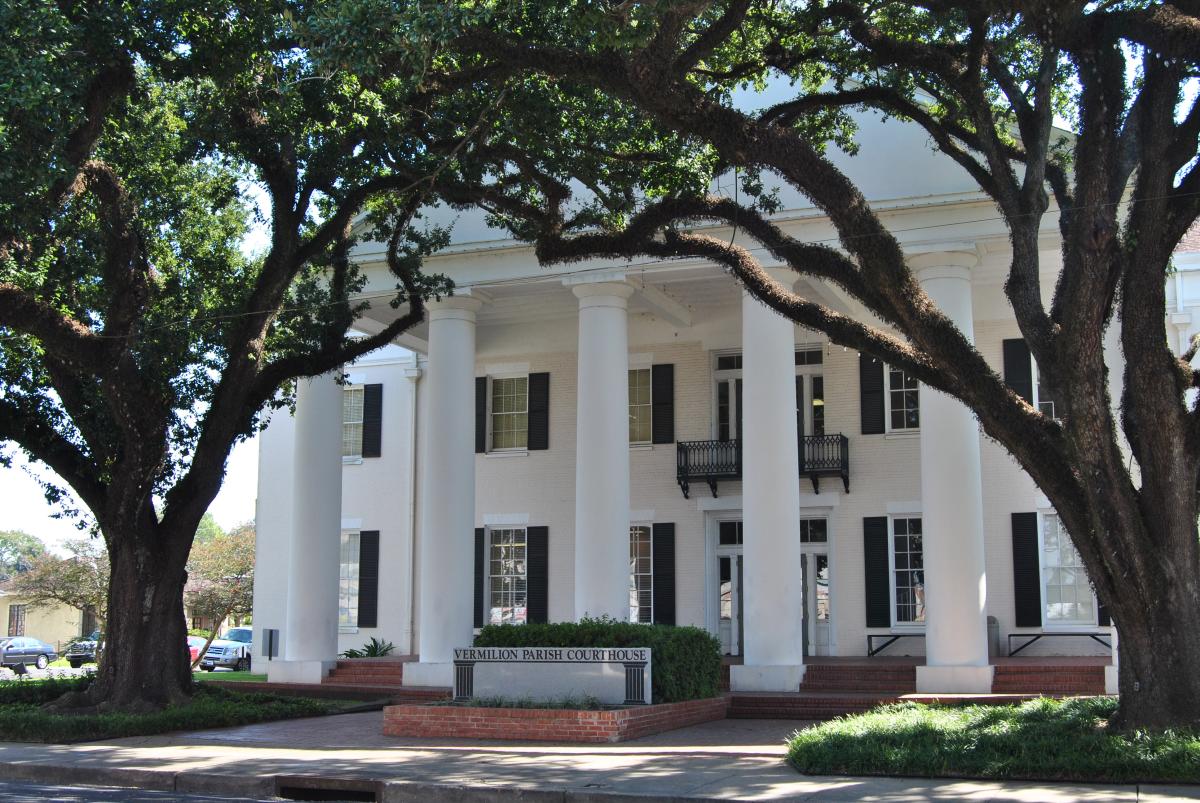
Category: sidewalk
<point>730,759</point>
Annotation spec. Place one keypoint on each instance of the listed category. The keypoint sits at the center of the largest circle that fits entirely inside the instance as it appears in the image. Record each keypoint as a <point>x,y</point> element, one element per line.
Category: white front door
<point>729,602</point>
<point>817,602</point>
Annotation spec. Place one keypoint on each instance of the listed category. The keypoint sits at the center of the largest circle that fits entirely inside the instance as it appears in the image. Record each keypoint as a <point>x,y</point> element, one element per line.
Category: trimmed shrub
<point>685,661</point>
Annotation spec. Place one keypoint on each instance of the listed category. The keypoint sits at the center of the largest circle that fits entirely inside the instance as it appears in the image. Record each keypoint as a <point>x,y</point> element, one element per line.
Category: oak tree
<point>139,337</point>
<point>991,83</point>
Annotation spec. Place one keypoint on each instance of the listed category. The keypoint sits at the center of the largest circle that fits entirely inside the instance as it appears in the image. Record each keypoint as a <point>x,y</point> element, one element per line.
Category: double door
<point>816,602</point>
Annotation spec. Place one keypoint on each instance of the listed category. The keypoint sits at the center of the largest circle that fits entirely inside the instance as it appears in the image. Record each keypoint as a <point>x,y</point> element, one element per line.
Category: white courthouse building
<point>645,441</point>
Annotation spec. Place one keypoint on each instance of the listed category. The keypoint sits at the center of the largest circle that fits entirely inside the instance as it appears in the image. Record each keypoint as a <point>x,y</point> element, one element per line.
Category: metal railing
<point>711,461</point>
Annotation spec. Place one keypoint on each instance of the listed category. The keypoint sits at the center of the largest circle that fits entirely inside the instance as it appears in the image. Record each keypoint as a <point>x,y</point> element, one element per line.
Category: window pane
<point>639,406</point>
<point>352,417</point>
<point>507,586</point>
<point>909,575</point>
<point>903,400</point>
<point>510,407</point>
<point>348,581</point>
<point>1069,595</point>
<point>641,578</point>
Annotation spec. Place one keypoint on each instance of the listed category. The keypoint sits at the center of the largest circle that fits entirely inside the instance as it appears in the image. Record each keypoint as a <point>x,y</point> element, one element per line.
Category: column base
<point>279,671</point>
<point>954,679</point>
<point>1112,683</point>
<point>765,678</point>
<point>423,674</point>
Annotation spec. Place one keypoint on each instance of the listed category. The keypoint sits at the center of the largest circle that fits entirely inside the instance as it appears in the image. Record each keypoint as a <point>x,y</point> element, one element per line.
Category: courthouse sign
<point>612,675</point>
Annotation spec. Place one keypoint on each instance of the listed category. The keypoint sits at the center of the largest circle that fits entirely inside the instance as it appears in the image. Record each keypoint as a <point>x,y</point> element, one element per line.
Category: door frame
<point>712,567</point>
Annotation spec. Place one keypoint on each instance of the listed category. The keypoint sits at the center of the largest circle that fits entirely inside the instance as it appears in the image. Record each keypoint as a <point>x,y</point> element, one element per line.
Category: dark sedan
<point>25,650</point>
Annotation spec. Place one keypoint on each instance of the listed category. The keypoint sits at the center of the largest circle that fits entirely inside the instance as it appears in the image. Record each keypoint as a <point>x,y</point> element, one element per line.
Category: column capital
<point>454,307</point>
<point>943,264</point>
<point>602,294</point>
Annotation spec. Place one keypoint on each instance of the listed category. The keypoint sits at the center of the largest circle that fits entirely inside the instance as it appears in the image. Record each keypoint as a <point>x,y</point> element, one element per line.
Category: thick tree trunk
<point>1159,654</point>
<point>146,664</point>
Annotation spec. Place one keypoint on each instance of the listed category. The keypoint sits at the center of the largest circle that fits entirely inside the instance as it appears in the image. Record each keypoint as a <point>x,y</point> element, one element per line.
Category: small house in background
<point>53,623</point>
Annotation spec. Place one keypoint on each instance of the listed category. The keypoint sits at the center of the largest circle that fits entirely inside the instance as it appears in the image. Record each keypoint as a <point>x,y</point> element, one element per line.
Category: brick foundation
<point>548,725</point>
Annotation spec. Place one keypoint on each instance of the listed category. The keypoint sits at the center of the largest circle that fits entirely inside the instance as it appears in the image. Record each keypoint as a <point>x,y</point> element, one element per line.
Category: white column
<point>602,452</point>
<point>447,532</point>
<point>309,640</point>
<point>956,651</point>
<point>773,643</point>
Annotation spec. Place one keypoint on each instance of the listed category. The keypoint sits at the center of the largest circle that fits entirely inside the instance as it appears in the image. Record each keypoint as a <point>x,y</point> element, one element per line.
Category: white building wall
<point>273,529</point>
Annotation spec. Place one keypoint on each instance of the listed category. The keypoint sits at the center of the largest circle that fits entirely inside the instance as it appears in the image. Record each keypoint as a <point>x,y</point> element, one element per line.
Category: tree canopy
<point>138,339</point>
<point>79,580</point>
<point>18,549</point>
<point>989,82</point>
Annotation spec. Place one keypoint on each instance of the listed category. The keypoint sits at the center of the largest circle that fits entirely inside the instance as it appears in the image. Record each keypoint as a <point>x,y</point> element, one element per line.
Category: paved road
<point>34,793</point>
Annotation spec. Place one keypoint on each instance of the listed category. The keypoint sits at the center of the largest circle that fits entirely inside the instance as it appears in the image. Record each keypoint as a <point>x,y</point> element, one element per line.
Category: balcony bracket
<point>712,486</point>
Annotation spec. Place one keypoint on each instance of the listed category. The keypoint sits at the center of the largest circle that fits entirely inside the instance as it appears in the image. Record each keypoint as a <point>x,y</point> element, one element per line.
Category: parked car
<point>195,645</point>
<point>83,650</point>
<point>26,650</point>
<point>232,651</point>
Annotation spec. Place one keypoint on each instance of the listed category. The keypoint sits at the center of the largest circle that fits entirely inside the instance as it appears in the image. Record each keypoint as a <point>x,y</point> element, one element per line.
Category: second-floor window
<point>510,412</point>
<point>904,406</point>
<point>640,409</point>
<point>352,421</point>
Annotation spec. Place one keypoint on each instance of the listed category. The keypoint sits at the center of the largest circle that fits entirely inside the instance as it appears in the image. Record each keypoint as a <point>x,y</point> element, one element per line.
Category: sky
<point>23,505</point>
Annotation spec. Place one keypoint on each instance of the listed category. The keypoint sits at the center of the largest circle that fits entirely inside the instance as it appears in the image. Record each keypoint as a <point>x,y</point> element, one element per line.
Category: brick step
<point>372,683</point>
<point>1050,670</point>
<point>1049,691</point>
<point>393,693</point>
<point>369,670</point>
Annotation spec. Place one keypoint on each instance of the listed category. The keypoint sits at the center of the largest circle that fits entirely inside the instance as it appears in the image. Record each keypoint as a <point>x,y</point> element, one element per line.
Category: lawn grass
<point>260,677</point>
<point>1042,739</point>
<point>24,719</point>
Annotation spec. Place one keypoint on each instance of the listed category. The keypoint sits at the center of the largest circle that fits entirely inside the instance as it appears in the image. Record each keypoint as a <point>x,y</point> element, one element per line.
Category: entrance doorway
<point>816,576</point>
<point>730,623</point>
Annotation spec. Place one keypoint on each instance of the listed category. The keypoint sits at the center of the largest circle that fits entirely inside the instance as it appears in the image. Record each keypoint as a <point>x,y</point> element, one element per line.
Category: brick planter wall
<point>548,725</point>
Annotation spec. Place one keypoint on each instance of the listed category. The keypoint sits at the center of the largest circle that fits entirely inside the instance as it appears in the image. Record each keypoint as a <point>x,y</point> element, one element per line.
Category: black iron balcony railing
<point>712,461</point>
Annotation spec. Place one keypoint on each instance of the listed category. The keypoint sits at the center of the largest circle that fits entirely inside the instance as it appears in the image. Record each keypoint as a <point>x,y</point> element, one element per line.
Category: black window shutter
<point>537,574</point>
<point>480,563</point>
<point>368,578</point>
<point>1018,369</point>
<point>871,394</point>
<point>539,412</point>
<point>875,563</point>
<point>663,551</point>
<point>1027,583</point>
<point>481,390</point>
<point>372,431</point>
<point>662,397</point>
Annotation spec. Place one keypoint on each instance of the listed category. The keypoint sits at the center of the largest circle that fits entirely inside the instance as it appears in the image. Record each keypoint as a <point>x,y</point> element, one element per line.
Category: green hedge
<point>685,661</point>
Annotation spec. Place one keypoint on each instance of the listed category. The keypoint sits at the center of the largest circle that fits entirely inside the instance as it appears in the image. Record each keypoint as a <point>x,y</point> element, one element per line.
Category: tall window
<point>510,413</point>
<point>908,566</point>
<point>903,400</point>
<point>16,620</point>
<point>348,582</point>
<point>1043,393</point>
<point>507,594</point>
<point>641,578</point>
<point>639,406</point>
<point>352,422</point>
<point>818,405</point>
<point>1069,599</point>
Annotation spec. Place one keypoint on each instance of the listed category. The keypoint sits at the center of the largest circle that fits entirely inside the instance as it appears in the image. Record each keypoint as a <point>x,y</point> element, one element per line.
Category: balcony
<point>712,461</point>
